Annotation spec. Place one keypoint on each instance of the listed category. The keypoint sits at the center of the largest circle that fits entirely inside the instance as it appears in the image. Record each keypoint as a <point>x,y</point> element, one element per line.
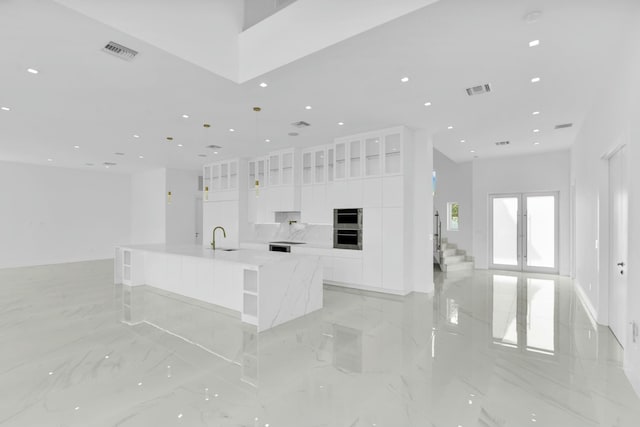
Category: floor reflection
<point>488,348</point>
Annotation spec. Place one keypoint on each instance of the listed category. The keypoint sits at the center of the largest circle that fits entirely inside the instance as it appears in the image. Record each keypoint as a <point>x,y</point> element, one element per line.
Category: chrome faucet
<point>224,234</point>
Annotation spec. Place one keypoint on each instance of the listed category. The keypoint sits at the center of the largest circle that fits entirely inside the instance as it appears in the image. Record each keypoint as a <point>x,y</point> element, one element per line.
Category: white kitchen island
<point>267,288</point>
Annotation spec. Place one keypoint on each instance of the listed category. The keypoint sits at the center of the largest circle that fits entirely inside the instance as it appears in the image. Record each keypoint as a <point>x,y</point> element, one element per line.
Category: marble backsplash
<point>321,234</point>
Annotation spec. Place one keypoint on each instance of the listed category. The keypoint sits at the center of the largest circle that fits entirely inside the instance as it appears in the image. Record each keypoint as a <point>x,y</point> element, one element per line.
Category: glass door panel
<point>307,177</point>
<point>319,163</point>
<point>540,231</point>
<point>224,176</point>
<point>505,231</point>
<point>354,155</point>
<point>372,156</point>
<point>541,302</point>
<point>505,310</point>
<point>274,169</point>
<point>340,163</point>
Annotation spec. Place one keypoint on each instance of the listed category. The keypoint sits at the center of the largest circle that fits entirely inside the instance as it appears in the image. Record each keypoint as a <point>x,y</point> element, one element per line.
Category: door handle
<point>621,264</point>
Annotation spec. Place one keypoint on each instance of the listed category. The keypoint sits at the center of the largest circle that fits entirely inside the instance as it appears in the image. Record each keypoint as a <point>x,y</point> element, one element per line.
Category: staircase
<point>450,258</point>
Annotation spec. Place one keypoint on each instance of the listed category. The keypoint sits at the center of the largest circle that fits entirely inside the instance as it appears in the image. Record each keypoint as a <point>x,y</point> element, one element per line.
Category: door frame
<point>522,232</point>
<point>610,258</point>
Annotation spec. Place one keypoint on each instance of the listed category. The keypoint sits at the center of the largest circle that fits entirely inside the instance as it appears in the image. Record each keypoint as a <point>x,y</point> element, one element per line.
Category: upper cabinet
<point>372,154</point>
<point>316,162</point>
<point>220,177</point>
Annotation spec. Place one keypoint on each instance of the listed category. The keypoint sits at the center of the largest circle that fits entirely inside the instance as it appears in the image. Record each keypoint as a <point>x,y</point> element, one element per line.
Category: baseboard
<point>586,303</point>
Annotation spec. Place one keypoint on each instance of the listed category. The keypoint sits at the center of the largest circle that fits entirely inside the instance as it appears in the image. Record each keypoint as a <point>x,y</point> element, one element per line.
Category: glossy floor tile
<point>487,349</point>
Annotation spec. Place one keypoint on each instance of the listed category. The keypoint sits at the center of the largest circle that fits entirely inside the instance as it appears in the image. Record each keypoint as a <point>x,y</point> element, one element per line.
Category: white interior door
<point>618,251</point>
<point>524,232</point>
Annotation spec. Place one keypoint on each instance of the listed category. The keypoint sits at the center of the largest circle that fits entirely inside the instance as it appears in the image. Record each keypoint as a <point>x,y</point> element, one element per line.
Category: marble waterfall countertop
<point>242,256</point>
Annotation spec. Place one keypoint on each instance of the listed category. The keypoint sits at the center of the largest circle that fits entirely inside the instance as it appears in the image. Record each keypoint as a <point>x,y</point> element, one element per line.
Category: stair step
<point>453,259</point>
<point>453,251</point>
<point>466,265</point>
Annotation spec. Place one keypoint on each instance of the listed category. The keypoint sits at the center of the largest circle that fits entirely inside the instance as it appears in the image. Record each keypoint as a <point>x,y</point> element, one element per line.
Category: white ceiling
<point>87,98</point>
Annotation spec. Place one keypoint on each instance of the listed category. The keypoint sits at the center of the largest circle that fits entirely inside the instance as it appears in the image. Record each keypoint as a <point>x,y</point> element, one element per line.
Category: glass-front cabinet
<point>219,176</point>
<point>366,155</point>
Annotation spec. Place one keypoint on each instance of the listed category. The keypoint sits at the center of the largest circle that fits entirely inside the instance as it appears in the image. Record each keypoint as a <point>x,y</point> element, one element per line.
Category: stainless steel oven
<point>347,218</point>
<point>347,239</point>
<point>347,228</point>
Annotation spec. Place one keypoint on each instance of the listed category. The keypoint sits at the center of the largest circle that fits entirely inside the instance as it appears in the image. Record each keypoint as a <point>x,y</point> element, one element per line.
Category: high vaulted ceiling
<point>85,98</point>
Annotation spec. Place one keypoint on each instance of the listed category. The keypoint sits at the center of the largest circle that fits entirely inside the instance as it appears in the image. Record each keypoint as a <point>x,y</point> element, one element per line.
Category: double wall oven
<point>347,228</point>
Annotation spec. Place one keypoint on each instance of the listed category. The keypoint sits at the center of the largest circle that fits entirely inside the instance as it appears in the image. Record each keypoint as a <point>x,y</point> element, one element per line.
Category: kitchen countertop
<point>241,256</point>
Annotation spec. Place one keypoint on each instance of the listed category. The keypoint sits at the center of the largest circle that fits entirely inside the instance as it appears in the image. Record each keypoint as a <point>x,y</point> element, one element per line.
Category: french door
<point>523,232</point>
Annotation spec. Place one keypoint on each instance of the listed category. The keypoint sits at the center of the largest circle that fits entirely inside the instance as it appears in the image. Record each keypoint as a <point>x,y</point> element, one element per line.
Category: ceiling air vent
<point>293,134</point>
<point>502,143</point>
<point>109,164</point>
<point>301,124</point>
<point>564,126</point>
<point>479,90</point>
<point>120,51</point>
<point>119,154</point>
<point>214,147</point>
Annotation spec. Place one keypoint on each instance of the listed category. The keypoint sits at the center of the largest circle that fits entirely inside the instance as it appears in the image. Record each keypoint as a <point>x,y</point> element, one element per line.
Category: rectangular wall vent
<point>563,126</point>
<point>214,147</point>
<point>479,90</point>
<point>502,143</point>
<point>300,124</point>
<point>120,51</point>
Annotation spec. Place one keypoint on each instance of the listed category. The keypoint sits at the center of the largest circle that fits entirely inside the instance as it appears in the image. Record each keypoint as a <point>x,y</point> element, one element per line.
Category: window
<point>452,216</point>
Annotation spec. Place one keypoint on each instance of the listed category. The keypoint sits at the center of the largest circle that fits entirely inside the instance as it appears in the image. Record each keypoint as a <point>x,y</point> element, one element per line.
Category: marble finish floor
<point>487,349</point>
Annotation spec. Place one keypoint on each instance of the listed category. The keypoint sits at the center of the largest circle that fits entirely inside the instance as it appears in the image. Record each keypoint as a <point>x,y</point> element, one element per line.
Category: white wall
<point>531,173</point>
<point>454,185</point>
<point>148,207</point>
<point>613,121</point>
<point>181,213</point>
<point>53,215</point>
<point>422,209</point>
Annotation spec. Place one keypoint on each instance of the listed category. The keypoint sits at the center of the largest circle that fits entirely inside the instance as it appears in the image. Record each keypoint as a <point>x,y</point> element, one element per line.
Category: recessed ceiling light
<point>5,108</point>
<point>215,152</point>
<point>141,157</point>
<point>267,140</point>
<point>185,116</point>
<point>340,123</point>
<point>535,80</point>
<point>462,140</point>
<point>232,130</point>
<point>535,113</point>
<point>308,107</point>
<point>76,146</point>
<point>536,130</point>
<point>263,84</point>
<point>472,151</point>
<point>449,127</point>
<point>49,160</point>
<point>534,43</point>
<point>404,79</point>
<point>32,70</point>
<point>536,143</point>
<point>136,136</point>
<point>427,104</point>
<point>179,145</point>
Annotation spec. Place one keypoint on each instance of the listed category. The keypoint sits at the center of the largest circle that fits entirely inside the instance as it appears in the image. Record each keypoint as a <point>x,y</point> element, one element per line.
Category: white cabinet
<point>393,249</point>
<point>273,185</point>
<point>372,247</point>
<point>355,159</point>
<point>220,181</point>
<point>340,163</point>
<point>393,155</point>
<point>373,159</point>
<point>347,270</point>
<point>314,166</point>
<point>371,154</point>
